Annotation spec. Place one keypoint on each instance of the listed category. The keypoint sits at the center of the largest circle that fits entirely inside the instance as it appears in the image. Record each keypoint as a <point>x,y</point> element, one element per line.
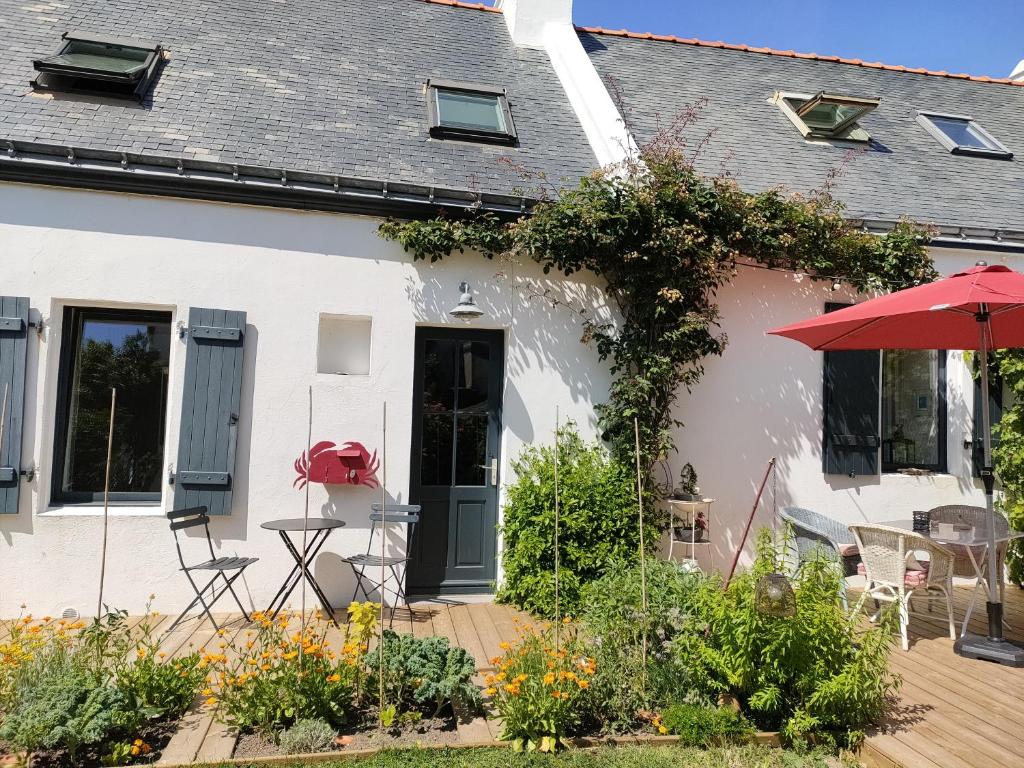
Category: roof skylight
<point>827,115</point>
<point>962,135</point>
<point>105,66</point>
<point>471,112</point>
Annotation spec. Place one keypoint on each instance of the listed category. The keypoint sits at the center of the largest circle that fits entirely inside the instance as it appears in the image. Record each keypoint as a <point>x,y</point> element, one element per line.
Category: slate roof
<point>904,172</point>
<point>327,86</point>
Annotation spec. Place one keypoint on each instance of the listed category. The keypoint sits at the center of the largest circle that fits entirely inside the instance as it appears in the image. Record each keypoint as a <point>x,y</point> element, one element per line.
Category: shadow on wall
<point>545,317</point>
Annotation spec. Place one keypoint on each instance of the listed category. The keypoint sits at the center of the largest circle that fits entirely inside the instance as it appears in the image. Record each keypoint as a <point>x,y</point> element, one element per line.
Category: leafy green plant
<point>541,688</point>
<point>669,635</point>
<point>68,708</point>
<point>272,679</point>
<point>307,736</point>
<point>598,523</point>
<point>1008,452</point>
<point>703,726</point>
<point>665,239</point>
<point>424,672</point>
<point>812,674</point>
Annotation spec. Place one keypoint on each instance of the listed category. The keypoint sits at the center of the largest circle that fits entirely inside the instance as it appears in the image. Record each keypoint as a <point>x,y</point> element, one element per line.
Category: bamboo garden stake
<point>383,541</point>
<point>558,617</point>
<point>305,523</point>
<point>3,423</point>
<point>106,501</point>
<point>643,551</point>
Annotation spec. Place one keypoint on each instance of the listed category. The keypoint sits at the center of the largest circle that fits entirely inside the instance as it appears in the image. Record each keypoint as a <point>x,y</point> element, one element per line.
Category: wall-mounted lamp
<point>466,309</point>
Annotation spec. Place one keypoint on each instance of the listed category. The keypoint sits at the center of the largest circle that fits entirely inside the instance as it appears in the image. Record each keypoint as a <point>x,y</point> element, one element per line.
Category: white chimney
<point>526,19</point>
<point>1018,72</point>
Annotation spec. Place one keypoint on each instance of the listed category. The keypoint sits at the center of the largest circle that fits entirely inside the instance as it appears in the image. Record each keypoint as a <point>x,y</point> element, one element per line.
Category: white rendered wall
<point>284,269</point>
<point>763,398</point>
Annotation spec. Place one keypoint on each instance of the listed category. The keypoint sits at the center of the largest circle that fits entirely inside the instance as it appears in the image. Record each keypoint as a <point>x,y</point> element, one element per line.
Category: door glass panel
<point>438,376</point>
<point>471,449</point>
<point>473,375</point>
<point>436,457</point>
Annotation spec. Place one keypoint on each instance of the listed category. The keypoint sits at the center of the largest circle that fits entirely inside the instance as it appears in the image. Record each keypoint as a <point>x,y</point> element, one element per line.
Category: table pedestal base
<point>994,648</point>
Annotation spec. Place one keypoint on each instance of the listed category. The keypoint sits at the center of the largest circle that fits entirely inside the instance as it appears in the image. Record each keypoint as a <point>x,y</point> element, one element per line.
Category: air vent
<point>70,614</point>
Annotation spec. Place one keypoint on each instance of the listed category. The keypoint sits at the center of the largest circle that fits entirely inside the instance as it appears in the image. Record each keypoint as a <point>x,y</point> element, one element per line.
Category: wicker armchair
<point>894,575</point>
<point>814,531</point>
<point>966,557</point>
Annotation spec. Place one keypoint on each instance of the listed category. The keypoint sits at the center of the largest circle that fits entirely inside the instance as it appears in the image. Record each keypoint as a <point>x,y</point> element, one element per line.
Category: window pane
<point>474,111</point>
<point>120,61</point>
<point>471,449</point>
<point>132,356</point>
<point>910,414</point>
<point>961,132</point>
<point>473,376</point>
<point>439,376</point>
<point>828,116</point>
<point>436,453</point>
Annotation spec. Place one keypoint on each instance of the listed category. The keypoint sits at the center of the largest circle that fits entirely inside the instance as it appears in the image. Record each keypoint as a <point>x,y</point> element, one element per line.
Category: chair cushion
<point>914,577</point>
<point>847,550</point>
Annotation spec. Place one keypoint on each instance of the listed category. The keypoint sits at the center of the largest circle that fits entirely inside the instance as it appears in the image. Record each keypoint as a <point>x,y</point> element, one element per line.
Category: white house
<point>193,221</point>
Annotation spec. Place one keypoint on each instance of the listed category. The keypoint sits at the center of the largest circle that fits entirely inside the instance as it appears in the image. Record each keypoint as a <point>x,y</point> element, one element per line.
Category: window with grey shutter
<point>851,402</point>
<point>995,412</point>
<point>211,399</point>
<point>13,349</point>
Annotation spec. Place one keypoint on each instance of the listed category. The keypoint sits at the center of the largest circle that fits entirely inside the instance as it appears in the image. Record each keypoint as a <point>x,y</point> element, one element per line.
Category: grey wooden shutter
<point>851,403</point>
<point>995,412</point>
<point>210,410</point>
<point>13,350</point>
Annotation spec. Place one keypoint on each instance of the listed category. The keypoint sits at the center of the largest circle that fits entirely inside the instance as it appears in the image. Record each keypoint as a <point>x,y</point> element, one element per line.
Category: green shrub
<point>813,673</point>
<point>702,726</point>
<point>424,673</point>
<point>598,523</point>
<point>674,627</point>
<point>307,736</point>
<point>67,709</point>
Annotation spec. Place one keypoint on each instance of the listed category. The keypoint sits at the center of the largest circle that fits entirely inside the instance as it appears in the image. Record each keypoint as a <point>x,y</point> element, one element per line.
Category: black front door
<point>456,429</point>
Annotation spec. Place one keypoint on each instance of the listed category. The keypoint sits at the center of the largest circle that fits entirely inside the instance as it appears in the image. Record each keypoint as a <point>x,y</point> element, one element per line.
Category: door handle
<point>492,468</point>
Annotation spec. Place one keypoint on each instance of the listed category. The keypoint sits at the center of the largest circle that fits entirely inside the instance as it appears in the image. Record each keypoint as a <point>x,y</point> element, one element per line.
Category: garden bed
<point>152,739</point>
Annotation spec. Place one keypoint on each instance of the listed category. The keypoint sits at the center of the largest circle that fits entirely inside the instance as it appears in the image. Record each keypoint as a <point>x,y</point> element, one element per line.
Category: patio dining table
<point>970,539</point>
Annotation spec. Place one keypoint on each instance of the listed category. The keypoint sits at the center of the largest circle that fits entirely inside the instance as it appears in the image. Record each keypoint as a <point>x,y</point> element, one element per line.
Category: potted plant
<point>692,531</point>
<point>687,489</point>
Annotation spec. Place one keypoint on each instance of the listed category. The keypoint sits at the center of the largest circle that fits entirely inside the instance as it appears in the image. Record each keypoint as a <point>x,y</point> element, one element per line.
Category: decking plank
<point>467,634</point>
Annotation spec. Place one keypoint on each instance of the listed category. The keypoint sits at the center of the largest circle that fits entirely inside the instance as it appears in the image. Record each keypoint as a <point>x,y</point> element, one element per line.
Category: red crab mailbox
<point>328,464</point>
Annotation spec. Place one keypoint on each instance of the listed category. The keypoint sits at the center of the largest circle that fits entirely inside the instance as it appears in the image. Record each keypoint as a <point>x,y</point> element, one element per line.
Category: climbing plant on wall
<point>1009,451</point>
<point>664,239</point>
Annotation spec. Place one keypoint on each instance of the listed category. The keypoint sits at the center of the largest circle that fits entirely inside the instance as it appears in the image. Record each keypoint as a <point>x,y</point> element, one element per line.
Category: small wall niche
<point>343,345</point>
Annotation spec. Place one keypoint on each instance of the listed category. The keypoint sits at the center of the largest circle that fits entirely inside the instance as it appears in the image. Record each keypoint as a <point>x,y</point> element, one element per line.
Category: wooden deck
<point>951,712</point>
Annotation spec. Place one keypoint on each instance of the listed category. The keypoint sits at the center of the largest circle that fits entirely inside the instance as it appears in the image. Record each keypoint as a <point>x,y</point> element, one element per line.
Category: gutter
<point>111,171</point>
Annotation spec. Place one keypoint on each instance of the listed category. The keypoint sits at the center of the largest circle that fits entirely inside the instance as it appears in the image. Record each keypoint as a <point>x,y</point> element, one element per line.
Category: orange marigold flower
<point>335,678</point>
<point>556,694</point>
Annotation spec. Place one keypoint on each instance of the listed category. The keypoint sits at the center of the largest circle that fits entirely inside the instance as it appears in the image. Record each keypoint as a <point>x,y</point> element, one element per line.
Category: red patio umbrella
<point>981,308</point>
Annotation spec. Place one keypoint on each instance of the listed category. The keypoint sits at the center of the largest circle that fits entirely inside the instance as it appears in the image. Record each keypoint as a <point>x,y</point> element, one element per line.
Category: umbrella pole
<point>994,647</point>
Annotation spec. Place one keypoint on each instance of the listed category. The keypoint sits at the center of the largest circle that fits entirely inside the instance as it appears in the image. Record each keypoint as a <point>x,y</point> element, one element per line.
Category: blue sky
<point>980,37</point>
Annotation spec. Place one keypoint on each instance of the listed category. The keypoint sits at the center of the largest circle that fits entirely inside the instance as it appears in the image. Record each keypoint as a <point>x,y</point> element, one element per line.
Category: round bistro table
<point>321,528</point>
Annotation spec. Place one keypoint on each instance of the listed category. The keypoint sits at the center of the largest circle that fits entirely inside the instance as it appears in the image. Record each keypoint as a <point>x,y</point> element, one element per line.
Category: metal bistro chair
<point>366,566</point>
<point>966,557</point>
<point>219,566</point>
<point>813,531</point>
<point>893,574</point>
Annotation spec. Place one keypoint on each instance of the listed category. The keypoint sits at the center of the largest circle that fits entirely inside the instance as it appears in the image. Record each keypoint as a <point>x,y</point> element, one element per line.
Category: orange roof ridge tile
<point>459,4</point>
<point>787,54</point>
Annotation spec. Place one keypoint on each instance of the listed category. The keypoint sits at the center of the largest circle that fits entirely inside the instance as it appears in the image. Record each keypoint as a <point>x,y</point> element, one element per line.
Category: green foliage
<point>307,736</point>
<point>702,726</point>
<point>747,756</point>
<point>598,523</point>
<point>812,673</point>
<point>1008,452</point>
<point>665,239</point>
<point>542,688</point>
<point>669,634</point>
<point>67,708</point>
<point>424,672</point>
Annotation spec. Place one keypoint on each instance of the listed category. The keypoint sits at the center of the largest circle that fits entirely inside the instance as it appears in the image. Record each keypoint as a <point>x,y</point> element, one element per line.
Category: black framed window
<point>913,410</point>
<point>103,349</point>
<point>470,112</point>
